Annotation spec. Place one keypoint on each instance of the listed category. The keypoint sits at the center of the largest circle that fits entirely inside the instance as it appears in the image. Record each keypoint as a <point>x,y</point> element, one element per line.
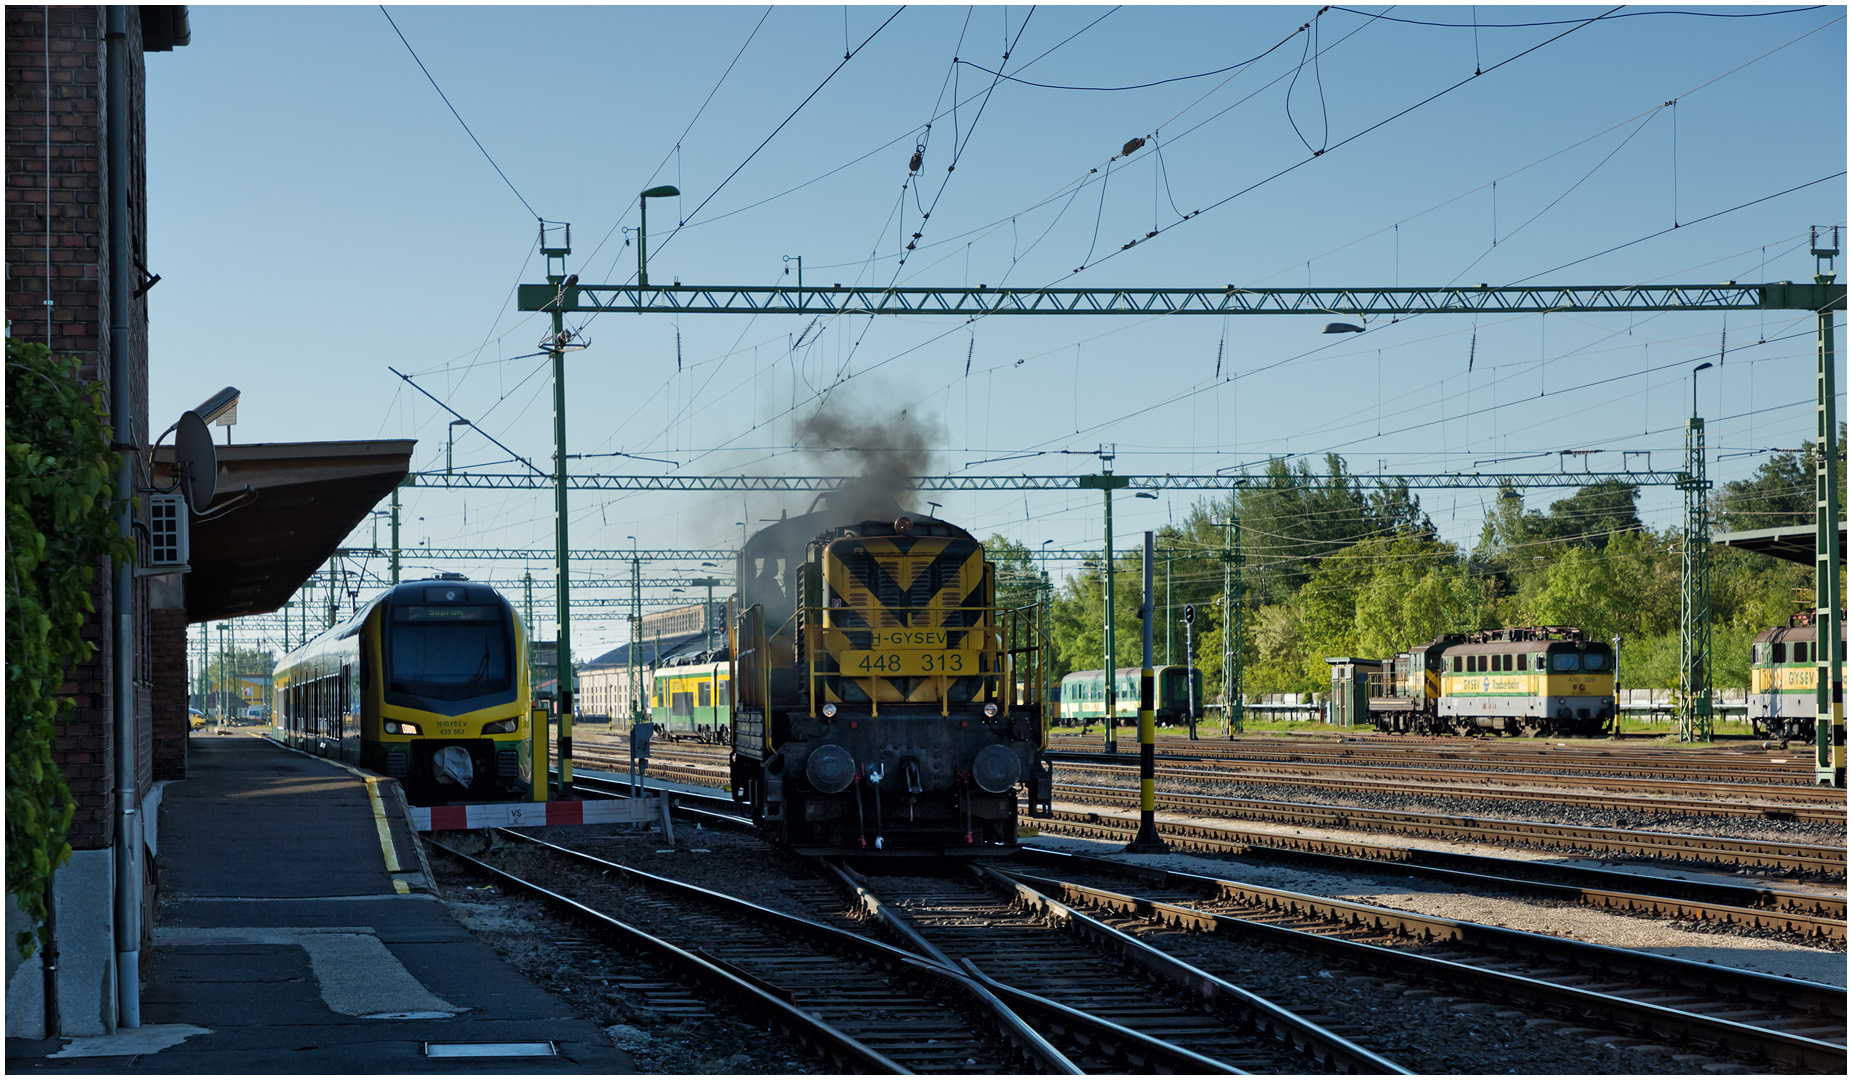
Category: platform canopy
<point>1795,543</point>
<point>251,552</point>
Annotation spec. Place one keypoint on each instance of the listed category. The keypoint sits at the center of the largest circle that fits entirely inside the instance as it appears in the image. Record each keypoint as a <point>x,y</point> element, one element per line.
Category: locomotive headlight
<point>829,709</point>
<point>830,768</point>
<point>499,727</point>
<point>996,769</point>
<point>400,727</point>
<point>990,709</point>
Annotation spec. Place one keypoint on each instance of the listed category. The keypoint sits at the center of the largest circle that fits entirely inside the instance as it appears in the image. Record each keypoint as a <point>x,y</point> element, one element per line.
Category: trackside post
<point>1147,842</point>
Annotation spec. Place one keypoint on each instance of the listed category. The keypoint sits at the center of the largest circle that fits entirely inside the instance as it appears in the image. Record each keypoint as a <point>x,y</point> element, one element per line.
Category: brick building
<point>63,266</point>
<point>77,250</point>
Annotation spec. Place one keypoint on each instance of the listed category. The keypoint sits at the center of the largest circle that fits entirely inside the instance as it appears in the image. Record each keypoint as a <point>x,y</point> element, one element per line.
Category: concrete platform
<point>298,933</point>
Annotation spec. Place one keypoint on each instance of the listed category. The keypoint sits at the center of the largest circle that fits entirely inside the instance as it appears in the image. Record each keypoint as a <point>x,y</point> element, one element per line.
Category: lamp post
<point>643,227</point>
<point>707,614</point>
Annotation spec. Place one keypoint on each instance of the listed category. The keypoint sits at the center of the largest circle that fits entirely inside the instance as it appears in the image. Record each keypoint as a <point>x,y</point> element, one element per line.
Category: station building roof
<point>250,552</point>
<point>671,648</point>
<point>1791,542</point>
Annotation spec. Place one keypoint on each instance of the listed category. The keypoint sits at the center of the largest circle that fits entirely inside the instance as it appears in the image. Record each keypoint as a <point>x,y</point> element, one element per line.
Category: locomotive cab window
<point>1522,657</point>
<point>1594,662</point>
<point>1456,665</point>
<point>1800,652</point>
<point>1566,661</point>
<point>1781,652</point>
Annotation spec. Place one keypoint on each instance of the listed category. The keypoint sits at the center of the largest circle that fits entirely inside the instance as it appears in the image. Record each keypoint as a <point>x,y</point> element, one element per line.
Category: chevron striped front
<point>904,619</point>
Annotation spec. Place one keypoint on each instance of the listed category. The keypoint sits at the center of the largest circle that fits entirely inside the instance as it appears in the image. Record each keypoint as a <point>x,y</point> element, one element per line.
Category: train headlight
<point>829,768</point>
<point>400,727</point>
<point>996,769</point>
<point>829,709</point>
<point>990,709</point>
<point>499,727</point>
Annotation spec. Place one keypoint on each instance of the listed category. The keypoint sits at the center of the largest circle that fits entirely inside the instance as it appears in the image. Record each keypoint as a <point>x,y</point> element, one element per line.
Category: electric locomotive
<point>882,705</point>
<point>426,683</point>
<point>1531,680</point>
<point>1783,672</point>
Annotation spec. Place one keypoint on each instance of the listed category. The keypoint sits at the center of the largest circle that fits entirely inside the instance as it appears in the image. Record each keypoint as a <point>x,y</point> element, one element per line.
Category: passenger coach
<point>1177,694</point>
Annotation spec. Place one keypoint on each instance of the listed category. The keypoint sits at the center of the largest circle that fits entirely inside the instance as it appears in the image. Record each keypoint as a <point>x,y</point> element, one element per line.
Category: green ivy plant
<point>60,522</point>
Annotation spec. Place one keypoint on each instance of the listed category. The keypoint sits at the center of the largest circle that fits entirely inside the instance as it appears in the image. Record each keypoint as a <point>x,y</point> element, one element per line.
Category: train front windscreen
<point>449,652</point>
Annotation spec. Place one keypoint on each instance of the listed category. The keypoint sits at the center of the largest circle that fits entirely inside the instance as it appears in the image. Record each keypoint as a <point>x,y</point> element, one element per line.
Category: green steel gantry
<point>562,293</point>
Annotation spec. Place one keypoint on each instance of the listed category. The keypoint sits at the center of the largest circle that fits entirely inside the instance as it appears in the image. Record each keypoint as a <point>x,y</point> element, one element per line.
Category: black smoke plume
<point>884,453</point>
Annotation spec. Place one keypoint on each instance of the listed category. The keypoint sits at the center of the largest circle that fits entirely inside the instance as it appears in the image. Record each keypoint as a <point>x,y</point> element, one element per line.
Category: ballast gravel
<point>1664,936</point>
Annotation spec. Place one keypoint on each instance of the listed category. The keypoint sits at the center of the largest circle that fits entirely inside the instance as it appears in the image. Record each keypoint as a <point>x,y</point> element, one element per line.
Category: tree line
<point>1341,565</point>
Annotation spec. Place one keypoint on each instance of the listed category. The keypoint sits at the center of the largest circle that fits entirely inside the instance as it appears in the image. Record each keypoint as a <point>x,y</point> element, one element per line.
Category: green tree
<point>1780,494</point>
<point>1020,582</point>
<point>60,530</point>
<point>1588,518</point>
<point>1290,521</point>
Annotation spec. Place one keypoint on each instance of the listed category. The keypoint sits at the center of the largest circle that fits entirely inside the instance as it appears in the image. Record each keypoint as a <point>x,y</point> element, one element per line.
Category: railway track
<point>1803,914</point>
<point>875,1006</point>
<point>1679,847</point>
<point>1781,1024</point>
<point>1045,952</point>
<point>1752,802</point>
<point>1730,777</point>
<point>864,1005</point>
<point>1790,769</point>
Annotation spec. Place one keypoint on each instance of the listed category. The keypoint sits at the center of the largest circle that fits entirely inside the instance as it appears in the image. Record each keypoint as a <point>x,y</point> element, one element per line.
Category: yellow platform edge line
<point>386,846</point>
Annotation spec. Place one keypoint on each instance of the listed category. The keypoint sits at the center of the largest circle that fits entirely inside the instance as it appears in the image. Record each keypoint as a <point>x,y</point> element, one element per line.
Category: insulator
<point>918,160</point>
<point>1131,148</point>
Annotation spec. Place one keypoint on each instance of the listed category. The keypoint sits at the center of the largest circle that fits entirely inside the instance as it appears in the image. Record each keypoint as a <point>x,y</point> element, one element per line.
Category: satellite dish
<point>196,462</point>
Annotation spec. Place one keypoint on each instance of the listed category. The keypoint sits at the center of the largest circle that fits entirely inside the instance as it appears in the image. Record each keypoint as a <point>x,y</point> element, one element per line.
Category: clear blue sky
<point>318,214</point>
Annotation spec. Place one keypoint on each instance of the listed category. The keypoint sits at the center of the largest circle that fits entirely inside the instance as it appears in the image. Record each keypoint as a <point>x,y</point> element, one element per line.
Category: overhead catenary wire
<point>453,111</point>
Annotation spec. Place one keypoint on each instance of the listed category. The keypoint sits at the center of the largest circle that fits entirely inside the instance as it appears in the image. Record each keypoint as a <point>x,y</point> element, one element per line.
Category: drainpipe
<point>128,816</point>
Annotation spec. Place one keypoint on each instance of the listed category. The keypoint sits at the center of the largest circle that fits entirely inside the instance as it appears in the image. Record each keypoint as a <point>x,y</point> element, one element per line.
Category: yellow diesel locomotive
<point>426,683</point>
<point>882,704</point>
<point>1528,680</point>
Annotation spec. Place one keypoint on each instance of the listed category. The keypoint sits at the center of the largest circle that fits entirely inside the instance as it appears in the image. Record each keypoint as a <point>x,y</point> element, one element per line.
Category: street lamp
<point>1694,385</point>
<point>643,227</point>
<point>450,439</point>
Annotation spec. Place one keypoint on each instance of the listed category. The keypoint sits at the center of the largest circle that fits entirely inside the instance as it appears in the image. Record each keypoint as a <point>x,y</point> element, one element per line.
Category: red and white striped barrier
<point>527,814</point>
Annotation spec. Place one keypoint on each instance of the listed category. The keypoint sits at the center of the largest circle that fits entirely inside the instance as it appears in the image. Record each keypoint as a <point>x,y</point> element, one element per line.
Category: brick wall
<point>57,249</point>
<point>167,650</point>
